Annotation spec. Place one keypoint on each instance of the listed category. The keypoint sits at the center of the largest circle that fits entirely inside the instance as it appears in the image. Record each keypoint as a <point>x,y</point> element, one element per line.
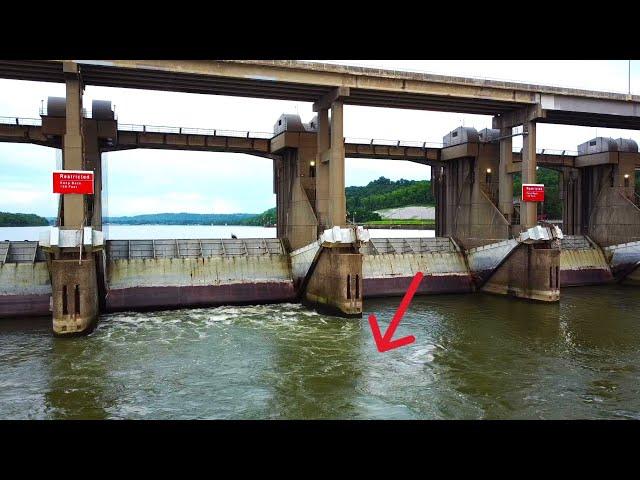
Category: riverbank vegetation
<point>22,220</point>
<point>362,203</point>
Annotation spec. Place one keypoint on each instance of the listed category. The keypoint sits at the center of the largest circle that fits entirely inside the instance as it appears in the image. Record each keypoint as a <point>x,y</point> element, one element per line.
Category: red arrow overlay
<point>385,343</point>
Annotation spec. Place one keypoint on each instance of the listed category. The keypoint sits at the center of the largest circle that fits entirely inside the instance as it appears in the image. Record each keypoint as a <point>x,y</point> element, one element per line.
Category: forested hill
<point>181,219</point>
<point>21,220</point>
<point>384,193</point>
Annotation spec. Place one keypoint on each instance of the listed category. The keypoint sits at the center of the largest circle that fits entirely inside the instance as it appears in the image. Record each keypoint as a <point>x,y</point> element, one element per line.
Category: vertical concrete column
<point>337,196</point>
<point>73,278</point>
<point>571,202</point>
<point>72,146</point>
<point>322,170</point>
<point>439,194</point>
<point>528,210</point>
<point>93,161</point>
<point>505,188</point>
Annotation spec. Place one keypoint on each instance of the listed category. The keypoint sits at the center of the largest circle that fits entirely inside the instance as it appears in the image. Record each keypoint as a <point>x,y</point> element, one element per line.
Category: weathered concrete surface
<point>632,278</point>
<point>301,261</point>
<point>183,282</point>
<point>485,259</point>
<point>75,296</point>
<point>469,188</point>
<point>624,260</point>
<point>295,188</point>
<point>582,263</point>
<point>335,283</point>
<point>528,272</point>
<point>25,289</point>
<point>389,274</point>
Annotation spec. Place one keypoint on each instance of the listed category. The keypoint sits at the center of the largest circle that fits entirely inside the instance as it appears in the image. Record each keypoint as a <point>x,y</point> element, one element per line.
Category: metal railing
<point>129,127</point>
<point>551,151</point>
<point>392,143</point>
<point>25,122</point>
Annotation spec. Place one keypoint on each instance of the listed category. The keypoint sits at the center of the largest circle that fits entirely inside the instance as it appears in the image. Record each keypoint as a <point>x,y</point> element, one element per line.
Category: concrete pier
<point>335,283</point>
<point>527,266</point>
<point>530,272</point>
<point>75,296</point>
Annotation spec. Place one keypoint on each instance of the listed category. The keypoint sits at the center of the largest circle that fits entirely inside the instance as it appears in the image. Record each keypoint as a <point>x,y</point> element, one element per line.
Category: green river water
<point>476,356</point>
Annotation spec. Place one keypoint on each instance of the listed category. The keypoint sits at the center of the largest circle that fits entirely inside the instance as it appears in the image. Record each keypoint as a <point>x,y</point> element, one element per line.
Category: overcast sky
<point>153,181</point>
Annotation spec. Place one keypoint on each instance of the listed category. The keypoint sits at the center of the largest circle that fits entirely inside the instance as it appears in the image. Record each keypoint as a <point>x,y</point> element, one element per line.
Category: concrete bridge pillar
<point>438,185</point>
<point>609,210</point>
<point>471,189</point>
<point>505,178</point>
<point>337,197</point>
<point>331,202</point>
<point>73,268</point>
<point>295,171</point>
<point>73,145</point>
<point>571,202</point>
<point>322,170</point>
<point>93,161</point>
<point>528,210</point>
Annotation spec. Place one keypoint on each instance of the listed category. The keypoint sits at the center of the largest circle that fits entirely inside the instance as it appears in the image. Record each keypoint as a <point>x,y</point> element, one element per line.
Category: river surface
<point>156,232</point>
<point>476,356</point>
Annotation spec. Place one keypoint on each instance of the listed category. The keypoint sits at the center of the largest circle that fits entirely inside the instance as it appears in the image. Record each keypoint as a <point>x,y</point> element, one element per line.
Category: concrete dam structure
<point>485,241</point>
<point>165,274</point>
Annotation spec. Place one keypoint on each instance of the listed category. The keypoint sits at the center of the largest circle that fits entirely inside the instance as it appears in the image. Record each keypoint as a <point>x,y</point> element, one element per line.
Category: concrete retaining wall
<point>301,260</point>
<point>25,288</point>
<point>389,274</point>
<point>582,263</point>
<point>197,281</point>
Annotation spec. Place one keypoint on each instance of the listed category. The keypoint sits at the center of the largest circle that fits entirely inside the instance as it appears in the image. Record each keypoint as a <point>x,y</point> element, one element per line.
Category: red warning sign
<point>73,181</point>
<point>532,192</point>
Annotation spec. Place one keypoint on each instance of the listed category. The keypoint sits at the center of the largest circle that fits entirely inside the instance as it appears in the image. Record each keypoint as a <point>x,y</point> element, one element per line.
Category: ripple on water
<point>475,356</point>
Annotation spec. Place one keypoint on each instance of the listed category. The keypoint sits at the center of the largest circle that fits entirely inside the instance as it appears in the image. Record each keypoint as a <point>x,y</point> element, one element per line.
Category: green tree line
<point>552,205</point>
<point>21,220</point>
<point>362,202</point>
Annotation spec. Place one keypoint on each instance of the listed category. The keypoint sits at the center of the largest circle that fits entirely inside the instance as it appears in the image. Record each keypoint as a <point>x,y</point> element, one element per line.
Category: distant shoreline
<point>151,225</point>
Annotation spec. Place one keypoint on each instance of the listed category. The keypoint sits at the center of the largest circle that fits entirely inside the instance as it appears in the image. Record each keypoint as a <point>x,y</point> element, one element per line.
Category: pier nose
<point>333,280</point>
<point>74,278</point>
<point>525,267</point>
<point>75,296</point>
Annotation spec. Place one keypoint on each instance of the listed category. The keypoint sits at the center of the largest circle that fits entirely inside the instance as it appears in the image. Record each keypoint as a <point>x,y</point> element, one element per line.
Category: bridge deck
<point>311,81</point>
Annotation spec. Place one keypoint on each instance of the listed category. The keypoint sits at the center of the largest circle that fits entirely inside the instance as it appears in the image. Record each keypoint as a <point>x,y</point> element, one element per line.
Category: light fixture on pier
<point>487,177</point>
<point>312,163</point>
<point>626,175</point>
